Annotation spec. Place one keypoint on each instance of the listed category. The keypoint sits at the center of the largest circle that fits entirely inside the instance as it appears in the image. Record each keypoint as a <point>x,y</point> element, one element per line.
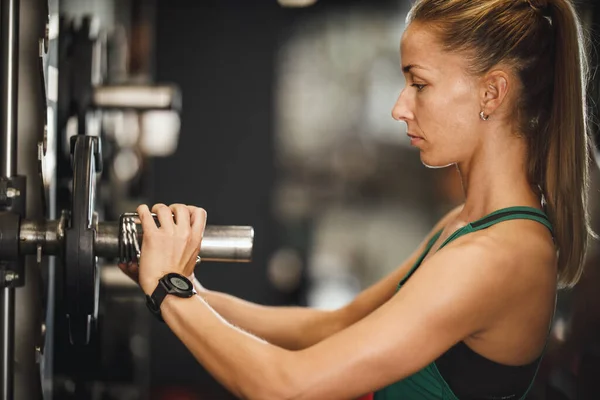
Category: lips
<point>414,136</point>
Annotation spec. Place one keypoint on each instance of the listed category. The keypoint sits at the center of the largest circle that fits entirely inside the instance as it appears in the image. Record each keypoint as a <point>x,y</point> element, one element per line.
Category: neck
<point>496,177</point>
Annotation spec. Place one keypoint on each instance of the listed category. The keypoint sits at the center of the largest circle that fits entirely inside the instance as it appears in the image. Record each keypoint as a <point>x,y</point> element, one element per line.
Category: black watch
<point>175,284</point>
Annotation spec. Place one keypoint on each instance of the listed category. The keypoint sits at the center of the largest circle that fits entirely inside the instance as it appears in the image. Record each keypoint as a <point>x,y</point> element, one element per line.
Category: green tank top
<point>428,383</point>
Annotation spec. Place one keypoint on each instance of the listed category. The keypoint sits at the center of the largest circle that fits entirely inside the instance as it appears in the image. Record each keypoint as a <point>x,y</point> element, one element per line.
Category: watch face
<point>179,283</point>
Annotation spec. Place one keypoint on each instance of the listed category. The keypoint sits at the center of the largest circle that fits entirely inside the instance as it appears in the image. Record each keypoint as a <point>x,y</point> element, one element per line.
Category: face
<point>440,103</point>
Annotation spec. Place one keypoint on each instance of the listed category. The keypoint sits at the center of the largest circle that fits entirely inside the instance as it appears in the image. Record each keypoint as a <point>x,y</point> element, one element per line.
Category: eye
<point>418,86</point>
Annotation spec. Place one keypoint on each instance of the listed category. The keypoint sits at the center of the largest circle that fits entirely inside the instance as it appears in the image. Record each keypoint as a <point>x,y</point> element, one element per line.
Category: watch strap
<point>154,300</point>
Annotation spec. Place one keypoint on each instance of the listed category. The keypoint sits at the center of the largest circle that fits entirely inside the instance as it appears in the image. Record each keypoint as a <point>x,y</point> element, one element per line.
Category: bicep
<point>376,295</point>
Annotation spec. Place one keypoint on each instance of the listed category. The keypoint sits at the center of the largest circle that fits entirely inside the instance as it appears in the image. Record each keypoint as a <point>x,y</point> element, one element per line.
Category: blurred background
<point>285,125</point>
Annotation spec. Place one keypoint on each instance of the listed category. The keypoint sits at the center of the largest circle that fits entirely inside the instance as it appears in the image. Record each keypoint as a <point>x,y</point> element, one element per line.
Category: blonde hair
<point>543,42</point>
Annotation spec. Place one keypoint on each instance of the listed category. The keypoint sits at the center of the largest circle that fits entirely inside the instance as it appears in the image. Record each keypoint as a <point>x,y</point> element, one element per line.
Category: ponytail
<point>565,182</point>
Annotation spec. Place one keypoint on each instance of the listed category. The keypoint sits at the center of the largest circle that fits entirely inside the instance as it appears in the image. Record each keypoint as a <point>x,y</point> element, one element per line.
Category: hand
<point>172,247</point>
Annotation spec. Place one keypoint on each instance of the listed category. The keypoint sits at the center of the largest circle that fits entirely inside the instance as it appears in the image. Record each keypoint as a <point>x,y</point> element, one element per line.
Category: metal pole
<point>7,322</point>
<point>9,36</point>
<point>9,76</point>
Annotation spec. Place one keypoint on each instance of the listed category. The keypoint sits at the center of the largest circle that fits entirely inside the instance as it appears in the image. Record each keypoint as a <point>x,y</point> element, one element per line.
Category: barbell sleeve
<point>221,243</point>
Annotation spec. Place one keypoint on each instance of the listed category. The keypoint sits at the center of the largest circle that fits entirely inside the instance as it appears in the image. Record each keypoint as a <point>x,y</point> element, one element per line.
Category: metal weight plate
<point>81,286</point>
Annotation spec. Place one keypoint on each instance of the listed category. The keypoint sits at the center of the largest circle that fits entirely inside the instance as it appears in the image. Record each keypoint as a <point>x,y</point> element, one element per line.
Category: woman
<point>495,87</point>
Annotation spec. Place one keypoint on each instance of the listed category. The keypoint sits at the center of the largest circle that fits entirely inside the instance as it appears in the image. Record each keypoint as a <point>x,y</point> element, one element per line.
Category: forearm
<point>292,328</point>
<point>248,366</point>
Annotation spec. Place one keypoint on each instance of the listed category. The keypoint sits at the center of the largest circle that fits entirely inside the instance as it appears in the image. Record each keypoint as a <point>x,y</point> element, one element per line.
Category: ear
<point>493,90</point>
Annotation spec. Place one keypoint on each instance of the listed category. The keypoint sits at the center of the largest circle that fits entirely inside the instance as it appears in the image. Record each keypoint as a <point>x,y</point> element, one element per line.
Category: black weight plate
<point>81,270</point>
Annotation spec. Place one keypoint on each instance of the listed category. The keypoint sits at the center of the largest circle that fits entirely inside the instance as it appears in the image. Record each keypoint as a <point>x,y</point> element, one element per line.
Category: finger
<point>132,268</point>
<point>148,224</point>
<point>129,269</point>
<point>198,220</point>
<point>126,266</point>
<point>197,215</point>
<point>165,216</point>
<point>182,215</point>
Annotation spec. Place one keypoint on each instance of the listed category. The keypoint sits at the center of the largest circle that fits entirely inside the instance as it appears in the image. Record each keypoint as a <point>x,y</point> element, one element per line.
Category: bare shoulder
<point>518,260</point>
<point>525,250</point>
<point>520,254</point>
<point>496,268</point>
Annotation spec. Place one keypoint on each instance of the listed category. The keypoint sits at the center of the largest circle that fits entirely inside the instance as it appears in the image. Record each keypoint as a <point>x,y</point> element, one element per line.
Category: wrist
<point>171,285</point>
<point>148,285</point>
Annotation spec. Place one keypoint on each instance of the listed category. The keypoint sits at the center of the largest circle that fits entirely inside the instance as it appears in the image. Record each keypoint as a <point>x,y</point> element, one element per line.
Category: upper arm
<point>419,323</point>
<point>373,297</point>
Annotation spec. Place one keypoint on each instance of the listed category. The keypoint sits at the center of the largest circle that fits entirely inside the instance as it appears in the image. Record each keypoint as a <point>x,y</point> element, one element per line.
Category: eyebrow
<point>406,69</point>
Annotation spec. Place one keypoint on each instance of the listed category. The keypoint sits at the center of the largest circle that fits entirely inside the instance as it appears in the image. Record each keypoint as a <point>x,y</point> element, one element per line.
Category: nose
<point>402,110</point>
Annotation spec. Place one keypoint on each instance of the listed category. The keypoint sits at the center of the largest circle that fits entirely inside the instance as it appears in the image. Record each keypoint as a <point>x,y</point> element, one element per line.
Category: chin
<point>433,163</point>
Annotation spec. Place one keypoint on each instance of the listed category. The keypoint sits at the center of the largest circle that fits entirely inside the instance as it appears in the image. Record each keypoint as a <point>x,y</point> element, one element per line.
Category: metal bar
<point>9,78</point>
<point>9,35</point>
<point>227,243</point>
<point>137,97</point>
<point>7,321</point>
<point>47,234</point>
<point>220,243</point>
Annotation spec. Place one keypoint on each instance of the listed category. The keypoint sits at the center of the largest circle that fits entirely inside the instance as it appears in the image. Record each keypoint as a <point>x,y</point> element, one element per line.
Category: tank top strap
<point>504,214</point>
<point>416,265</point>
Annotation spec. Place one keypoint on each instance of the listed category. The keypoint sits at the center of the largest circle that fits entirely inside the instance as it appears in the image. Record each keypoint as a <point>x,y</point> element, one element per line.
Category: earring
<point>483,116</point>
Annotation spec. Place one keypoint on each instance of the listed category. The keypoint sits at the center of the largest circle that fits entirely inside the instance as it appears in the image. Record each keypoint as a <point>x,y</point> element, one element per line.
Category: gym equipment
<point>78,237</point>
<point>12,189</point>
